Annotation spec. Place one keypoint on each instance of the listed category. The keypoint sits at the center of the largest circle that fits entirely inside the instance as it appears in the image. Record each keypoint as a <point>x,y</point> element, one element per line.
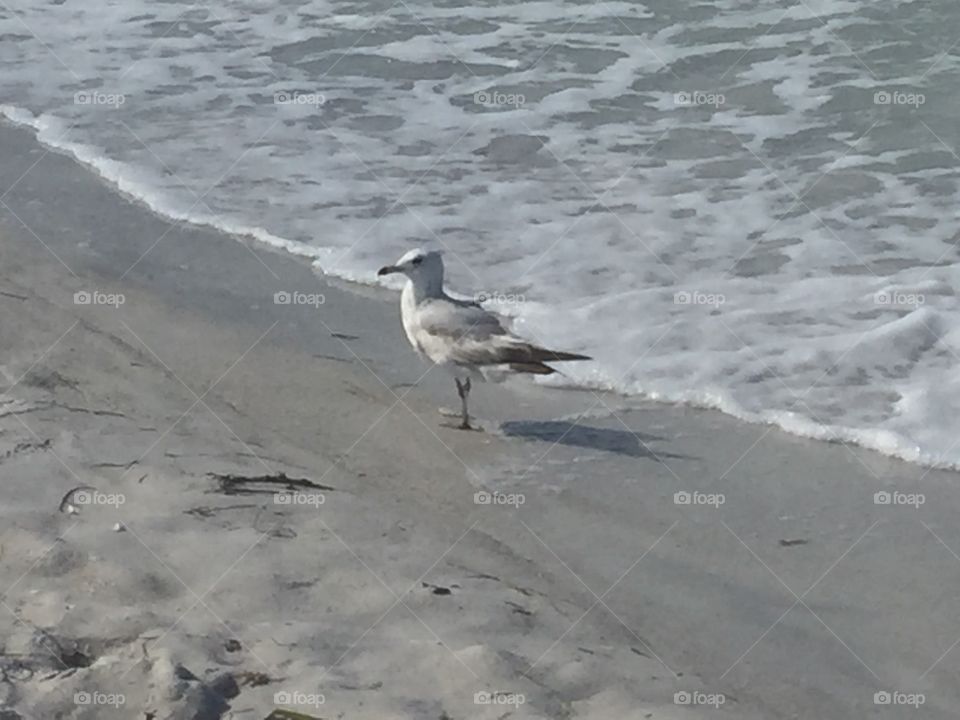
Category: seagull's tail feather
<point>545,355</point>
<point>507,350</point>
<point>532,368</point>
<point>516,351</point>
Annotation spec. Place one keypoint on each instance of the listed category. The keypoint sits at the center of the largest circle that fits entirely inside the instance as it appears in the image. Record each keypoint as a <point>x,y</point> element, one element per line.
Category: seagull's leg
<point>463,390</point>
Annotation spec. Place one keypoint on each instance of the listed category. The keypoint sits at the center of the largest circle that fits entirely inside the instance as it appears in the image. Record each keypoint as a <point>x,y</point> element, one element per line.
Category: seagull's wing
<point>454,331</point>
<point>464,333</point>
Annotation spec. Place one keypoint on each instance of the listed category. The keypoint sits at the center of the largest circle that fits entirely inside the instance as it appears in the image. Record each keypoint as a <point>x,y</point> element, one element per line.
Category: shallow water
<point>740,205</point>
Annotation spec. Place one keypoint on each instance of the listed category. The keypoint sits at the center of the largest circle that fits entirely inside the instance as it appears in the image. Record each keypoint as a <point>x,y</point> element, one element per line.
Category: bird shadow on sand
<point>622,442</point>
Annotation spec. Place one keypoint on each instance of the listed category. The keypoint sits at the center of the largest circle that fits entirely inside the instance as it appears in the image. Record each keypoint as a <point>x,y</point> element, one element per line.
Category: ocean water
<point>741,205</point>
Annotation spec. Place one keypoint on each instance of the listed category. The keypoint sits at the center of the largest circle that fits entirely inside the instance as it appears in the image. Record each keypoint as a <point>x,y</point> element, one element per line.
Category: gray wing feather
<point>458,332</point>
<point>464,333</point>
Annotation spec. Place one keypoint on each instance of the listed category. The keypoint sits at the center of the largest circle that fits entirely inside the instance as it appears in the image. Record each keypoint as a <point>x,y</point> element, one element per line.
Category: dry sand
<point>177,584</point>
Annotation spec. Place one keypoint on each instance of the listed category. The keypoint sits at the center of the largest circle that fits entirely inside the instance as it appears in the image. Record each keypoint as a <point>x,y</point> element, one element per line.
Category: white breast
<point>408,316</point>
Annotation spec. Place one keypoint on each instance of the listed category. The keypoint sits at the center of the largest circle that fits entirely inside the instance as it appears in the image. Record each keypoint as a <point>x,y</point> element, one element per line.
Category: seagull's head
<point>423,268</point>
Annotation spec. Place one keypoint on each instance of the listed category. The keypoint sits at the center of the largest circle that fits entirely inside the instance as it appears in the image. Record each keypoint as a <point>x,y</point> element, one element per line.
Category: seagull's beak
<point>389,269</point>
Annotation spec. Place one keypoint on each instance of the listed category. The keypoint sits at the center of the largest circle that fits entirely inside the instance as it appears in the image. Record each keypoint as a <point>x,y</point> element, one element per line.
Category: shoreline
<point>598,596</point>
<point>889,444</point>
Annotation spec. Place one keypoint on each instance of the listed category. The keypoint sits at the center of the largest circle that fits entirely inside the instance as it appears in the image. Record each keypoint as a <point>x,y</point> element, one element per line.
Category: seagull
<point>460,335</point>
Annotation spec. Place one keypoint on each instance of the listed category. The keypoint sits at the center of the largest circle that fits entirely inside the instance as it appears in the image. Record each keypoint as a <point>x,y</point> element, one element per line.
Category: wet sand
<point>299,524</point>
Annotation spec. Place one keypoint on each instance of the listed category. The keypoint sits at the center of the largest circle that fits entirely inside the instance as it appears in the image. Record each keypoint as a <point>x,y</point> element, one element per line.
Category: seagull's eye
<point>416,261</point>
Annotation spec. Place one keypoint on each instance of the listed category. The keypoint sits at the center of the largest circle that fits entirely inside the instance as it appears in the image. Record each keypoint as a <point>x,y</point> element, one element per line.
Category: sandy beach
<point>216,505</point>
